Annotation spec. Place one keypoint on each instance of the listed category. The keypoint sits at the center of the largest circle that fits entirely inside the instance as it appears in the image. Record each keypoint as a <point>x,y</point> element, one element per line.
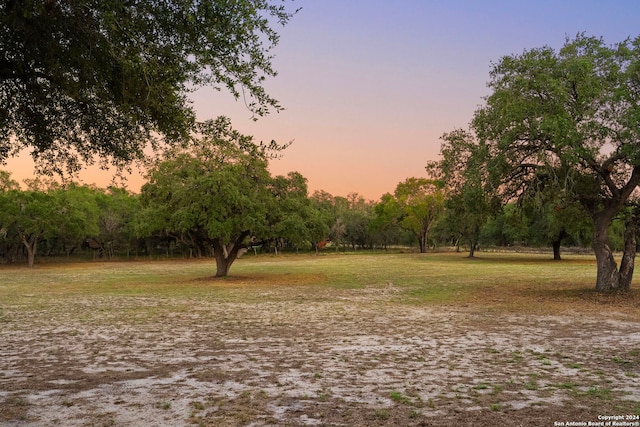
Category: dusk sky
<point>370,86</point>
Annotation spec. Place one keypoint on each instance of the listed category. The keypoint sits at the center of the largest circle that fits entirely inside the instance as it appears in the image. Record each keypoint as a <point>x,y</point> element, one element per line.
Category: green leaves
<point>89,78</point>
<point>414,206</point>
<point>216,188</point>
<point>575,110</point>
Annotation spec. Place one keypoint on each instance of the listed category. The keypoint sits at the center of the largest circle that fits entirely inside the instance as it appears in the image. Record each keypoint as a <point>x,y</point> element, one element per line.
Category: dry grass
<point>365,339</point>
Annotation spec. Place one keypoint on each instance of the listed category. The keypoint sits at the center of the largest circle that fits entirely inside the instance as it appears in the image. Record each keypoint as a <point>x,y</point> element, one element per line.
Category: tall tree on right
<point>575,114</point>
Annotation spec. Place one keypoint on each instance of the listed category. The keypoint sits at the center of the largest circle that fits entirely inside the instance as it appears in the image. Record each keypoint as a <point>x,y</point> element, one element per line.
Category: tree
<point>76,216</point>
<point>471,187</point>
<point>117,209</point>
<point>418,202</point>
<point>324,219</point>
<point>356,217</point>
<point>87,78</point>
<point>47,215</point>
<point>9,243</point>
<point>553,216</point>
<point>27,214</point>
<point>384,225</point>
<point>574,114</point>
<point>214,193</point>
<point>291,215</point>
<point>7,183</point>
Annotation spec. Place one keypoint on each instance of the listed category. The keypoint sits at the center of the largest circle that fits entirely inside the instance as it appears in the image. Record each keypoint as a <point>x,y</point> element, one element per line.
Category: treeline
<point>50,220</point>
<point>214,197</point>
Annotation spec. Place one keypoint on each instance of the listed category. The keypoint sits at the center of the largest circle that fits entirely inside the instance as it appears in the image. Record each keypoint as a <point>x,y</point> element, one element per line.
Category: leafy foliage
<point>470,184</point>
<point>415,206</point>
<point>87,78</point>
<point>571,115</point>
<point>211,195</point>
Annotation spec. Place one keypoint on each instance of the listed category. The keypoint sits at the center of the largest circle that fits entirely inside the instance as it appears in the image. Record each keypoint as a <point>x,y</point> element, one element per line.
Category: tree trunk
<point>422,242</point>
<point>608,277</point>
<point>629,255</point>
<point>556,244</point>
<point>556,249</point>
<point>222,265</point>
<point>473,242</point>
<point>225,256</point>
<point>472,250</point>
<point>31,244</point>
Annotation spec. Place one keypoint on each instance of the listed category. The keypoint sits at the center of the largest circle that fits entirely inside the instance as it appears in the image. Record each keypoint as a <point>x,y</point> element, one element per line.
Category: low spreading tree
<point>214,194</point>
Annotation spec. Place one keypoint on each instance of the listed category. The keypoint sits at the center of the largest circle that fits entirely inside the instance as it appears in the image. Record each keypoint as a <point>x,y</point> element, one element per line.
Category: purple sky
<point>370,86</point>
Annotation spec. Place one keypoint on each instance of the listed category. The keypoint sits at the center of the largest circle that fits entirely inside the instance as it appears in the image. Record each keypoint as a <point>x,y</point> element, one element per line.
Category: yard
<point>335,340</point>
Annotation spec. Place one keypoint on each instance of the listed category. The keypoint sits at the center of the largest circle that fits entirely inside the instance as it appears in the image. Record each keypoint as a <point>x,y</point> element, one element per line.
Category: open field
<point>336,340</point>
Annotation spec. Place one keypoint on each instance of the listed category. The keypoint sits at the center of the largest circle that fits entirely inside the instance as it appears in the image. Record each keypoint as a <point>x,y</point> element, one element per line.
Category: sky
<point>369,87</point>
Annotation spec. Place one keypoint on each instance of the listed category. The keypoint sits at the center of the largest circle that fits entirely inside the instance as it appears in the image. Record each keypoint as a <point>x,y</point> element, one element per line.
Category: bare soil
<point>341,358</point>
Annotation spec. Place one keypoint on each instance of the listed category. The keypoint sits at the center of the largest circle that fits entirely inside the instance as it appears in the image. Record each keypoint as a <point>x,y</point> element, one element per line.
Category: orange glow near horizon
<point>368,173</point>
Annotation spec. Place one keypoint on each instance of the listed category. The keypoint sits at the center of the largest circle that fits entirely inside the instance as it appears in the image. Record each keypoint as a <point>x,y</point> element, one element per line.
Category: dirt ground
<point>352,358</point>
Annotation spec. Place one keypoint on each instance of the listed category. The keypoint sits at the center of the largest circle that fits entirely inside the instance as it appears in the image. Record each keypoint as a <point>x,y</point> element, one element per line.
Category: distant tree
<point>77,216</point>
<point>48,215</point>
<point>470,186</point>
<point>323,217</point>
<point>572,113</point>
<point>87,78</point>
<point>417,202</point>
<point>291,215</point>
<point>385,223</point>
<point>328,222</point>
<point>27,215</point>
<point>357,219</point>
<point>7,183</point>
<point>508,227</point>
<point>117,208</point>
<point>553,215</point>
<point>214,193</point>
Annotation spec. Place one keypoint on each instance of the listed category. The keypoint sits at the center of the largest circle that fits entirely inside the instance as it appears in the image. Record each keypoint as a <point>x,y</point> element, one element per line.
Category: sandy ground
<point>354,359</point>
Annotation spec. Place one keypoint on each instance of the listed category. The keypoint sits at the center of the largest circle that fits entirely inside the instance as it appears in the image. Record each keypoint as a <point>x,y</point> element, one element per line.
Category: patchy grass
<point>336,339</point>
<point>511,283</point>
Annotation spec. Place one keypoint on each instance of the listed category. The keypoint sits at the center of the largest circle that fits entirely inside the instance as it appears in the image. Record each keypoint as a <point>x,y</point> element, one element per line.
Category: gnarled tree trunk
<point>556,245</point>
<point>609,278</point>
<point>226,254</point>
<point>629,255</point>
<point>31,245</point>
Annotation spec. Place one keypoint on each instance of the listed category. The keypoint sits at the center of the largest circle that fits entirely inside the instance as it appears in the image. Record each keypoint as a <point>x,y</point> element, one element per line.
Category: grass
<point>505,282</point>
<point>400,398</point>
<point>143,300</point>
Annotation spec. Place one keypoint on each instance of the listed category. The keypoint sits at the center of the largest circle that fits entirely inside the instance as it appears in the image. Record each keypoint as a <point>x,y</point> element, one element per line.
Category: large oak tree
<point>87,79</point>
<point>574,115</point>
<point>214,194</point>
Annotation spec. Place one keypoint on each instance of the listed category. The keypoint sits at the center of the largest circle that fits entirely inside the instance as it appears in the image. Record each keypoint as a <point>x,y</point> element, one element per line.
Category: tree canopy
<point>415,205</point>
<point>88,79</point>
<point>471,187</point>
<point>572,115</point>
<point>213,194</point>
